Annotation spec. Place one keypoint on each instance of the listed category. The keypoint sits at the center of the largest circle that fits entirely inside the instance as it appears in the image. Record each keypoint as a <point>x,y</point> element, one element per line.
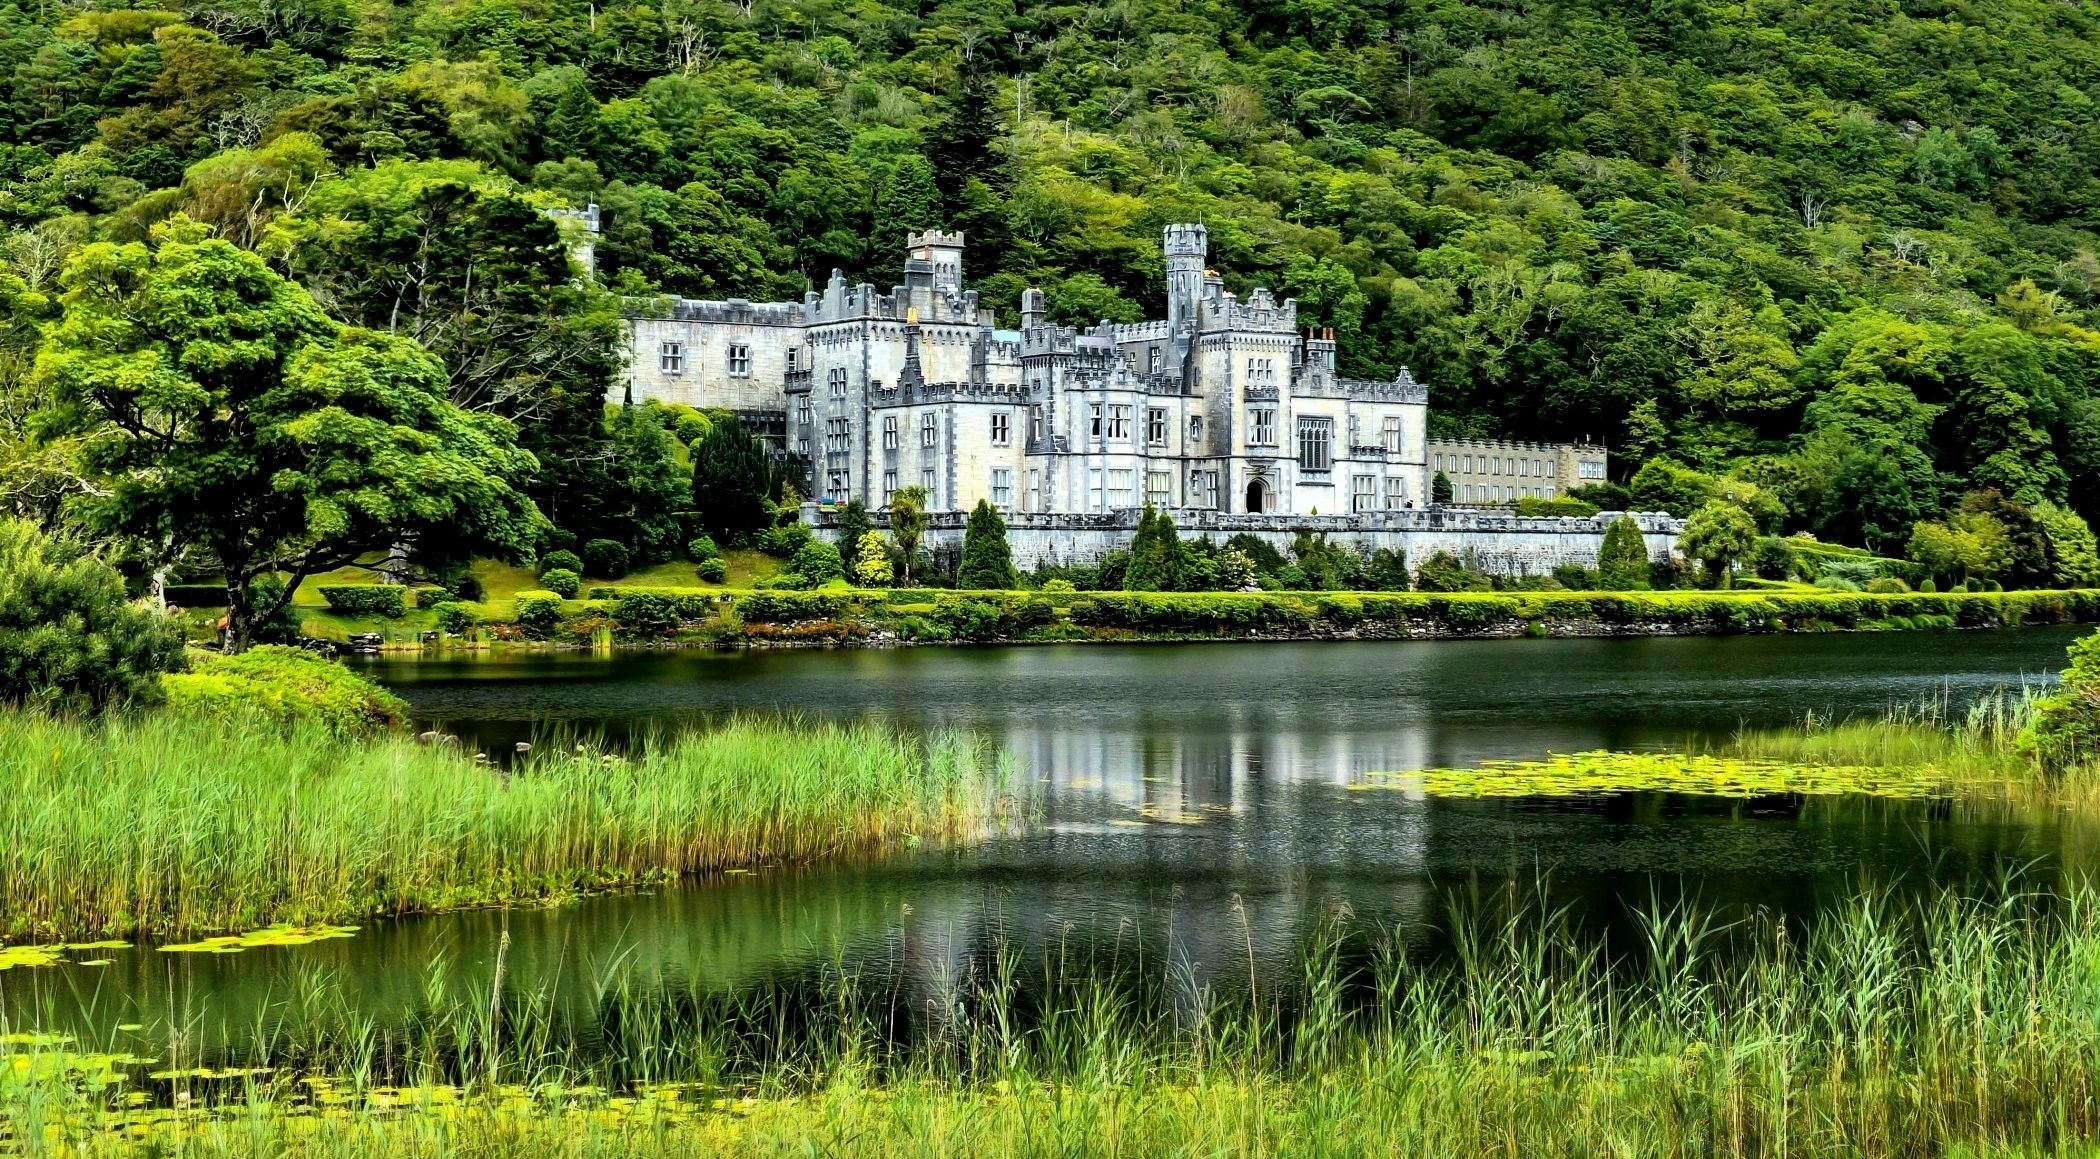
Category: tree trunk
<point>239,626</point>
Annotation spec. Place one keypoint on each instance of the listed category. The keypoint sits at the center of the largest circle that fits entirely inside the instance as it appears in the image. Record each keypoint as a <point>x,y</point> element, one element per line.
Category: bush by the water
<point>562,560</point>
<point>606,559</point>
<point>539,613</point>
<point>69,638</point>
<point>2064,731</point>
<point>284,685</point>
<point>561,582</point>
<point>455,618</point>
<point>387,600</point>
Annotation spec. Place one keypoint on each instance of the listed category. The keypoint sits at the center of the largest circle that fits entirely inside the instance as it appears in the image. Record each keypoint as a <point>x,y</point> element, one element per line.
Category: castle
<point>1224,405</point>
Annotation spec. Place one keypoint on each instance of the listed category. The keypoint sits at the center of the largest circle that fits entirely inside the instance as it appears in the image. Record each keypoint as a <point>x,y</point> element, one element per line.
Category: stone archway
<point>1257,496</point>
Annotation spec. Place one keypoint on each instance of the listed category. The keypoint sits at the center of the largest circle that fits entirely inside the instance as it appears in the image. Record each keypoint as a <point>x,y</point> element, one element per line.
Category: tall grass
<point>164,826</point>
<point>1893,1027</point>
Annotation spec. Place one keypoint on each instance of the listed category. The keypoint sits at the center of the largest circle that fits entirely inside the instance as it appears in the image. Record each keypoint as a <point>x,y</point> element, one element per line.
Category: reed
<point>1899,1024</point>
<point>162,826</point>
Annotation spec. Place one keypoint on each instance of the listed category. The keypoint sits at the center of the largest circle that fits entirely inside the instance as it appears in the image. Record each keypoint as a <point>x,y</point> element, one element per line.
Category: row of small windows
<point>1365,493</point>
<point>1488,493</point>
<point>1523,468</point>
<point>670,358</point>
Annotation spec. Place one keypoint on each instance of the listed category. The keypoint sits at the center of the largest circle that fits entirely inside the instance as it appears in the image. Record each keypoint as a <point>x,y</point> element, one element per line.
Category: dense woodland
<point>1833,262</point>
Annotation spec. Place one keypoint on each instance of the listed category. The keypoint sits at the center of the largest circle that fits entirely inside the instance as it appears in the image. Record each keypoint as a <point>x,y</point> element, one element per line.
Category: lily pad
<point>1600,773</point>
<point>272,936</point>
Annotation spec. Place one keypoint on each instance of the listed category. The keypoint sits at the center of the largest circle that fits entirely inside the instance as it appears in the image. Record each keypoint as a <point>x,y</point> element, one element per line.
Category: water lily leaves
<point>1599,773</point>
<point>272,936</point>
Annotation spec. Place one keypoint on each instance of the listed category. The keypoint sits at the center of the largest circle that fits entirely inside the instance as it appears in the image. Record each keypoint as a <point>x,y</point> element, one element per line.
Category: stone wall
<point>1499,543</point>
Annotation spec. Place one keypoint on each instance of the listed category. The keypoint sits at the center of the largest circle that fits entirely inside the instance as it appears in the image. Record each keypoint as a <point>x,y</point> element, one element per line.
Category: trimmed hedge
<point>286,686</point>
<point>388,600</point>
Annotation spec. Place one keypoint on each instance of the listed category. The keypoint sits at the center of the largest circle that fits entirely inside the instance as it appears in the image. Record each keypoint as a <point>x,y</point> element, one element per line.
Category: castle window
<point>926,481</point>
<point>1002,487</point>
<point>1391,434</point>
<point>1589,469</point>
<point>1093,487</point>
<point>1316,444</point>
<point>1093,410</point>
<point>1261,428</point>
<point>670,357</point>
<point>803,414</point>
<point>791,360</point>
<point>1119,422</point>
<point>838,435</point>
<point>1159,488</point>
<point>1195,428</point>
<point>889,485</point>
<point>739,360</point>
<point>1120,489</point>
<point>1035,423</point>
<point>1395,492</point>
<point>929,431</point>
<point>1151,360</point>
<point>1156,426</point>
<point>1360,493</point>
<point>1035,490</point>
<point>802,446</point>
<point>838,487</point>
<point>835,379</point>
<point>1002,429</point>
<point>889,432</point>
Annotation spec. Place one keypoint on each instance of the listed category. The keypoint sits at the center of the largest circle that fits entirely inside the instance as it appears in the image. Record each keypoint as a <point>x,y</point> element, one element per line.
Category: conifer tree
<point>1155,554</point>
<point>1440,489</point>
<point>730,479</point>
<point>987,560</point>
<point>1622,559</point>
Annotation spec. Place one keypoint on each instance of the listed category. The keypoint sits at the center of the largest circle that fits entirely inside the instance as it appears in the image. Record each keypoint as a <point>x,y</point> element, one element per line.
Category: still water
<point>1193,803</point>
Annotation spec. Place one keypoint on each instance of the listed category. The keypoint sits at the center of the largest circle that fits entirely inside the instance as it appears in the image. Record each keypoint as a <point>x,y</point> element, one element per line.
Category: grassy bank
<point>167,826</point>
<point>638,614</point>
<point>1889,1027</point>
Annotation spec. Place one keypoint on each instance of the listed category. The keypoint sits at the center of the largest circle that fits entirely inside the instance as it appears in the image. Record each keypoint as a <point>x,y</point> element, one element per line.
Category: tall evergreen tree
<point>1155,554</point>
<point>731,478</point>
<point>1622,559</point>
<point>987,559</point>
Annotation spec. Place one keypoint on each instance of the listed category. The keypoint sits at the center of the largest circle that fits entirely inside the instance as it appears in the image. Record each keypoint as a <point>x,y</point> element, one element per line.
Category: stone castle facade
<point>1225,405</point>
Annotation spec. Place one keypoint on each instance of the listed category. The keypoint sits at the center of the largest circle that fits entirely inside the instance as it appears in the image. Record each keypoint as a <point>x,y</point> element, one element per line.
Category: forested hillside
<point>1844,251</point>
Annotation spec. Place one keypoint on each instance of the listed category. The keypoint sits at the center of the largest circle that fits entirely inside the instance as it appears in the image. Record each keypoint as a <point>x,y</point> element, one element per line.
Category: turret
<point>942,253</point>
<point>1186,246</point>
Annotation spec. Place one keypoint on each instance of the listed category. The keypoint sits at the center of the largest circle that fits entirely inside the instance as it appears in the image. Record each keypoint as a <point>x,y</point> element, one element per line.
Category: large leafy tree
<point>222,414</point>
<point>731,479</point>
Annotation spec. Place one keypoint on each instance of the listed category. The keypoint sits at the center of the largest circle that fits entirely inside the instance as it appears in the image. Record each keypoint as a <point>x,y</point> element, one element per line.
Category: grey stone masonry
<point>1496,542</point>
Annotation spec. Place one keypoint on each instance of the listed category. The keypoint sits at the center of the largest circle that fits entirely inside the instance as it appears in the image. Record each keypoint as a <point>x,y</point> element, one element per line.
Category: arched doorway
<point>1257,496</point>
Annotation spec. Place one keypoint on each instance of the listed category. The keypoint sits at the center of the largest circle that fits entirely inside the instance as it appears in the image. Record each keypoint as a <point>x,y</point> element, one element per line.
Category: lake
<point>1199,806</point>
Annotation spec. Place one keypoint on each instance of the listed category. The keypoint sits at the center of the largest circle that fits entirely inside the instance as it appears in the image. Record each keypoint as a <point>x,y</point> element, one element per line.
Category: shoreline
<point>722,619</point>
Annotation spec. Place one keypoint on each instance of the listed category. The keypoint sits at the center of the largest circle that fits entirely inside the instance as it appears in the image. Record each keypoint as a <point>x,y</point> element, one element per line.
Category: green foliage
<point>987,560</point>
<point>229,420</point>
<point>1387,571</point>
<point>784,540</point>
<point>454,619</point>
<point>907,510</point>
<point>1560,505</point>
<point>818,563</point>
<point>605,558</point>
<point>1773,559</point>
<point>1155,554</point>
<point>712,570</point>
<point>732,480</point>
<point>1440,490</point>
<point>289,687</point>
<point>562,582</point>
<point>69,638</point>
<point>562,560</point>
<point>2064,731</point>
<point>1622,558</point>
<point>387,600</point>
<point>872,562</point>
<point>539,613</point>
<point>1444,572</point>
<point>701,548</point>
<point>1717,535</point>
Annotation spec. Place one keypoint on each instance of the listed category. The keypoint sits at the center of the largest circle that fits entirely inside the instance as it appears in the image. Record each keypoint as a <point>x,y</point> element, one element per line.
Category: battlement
<point>1186,240</point>
<point>1516,446</point>
<point>916,393</point>
<point>737,310</point>
<point>933,237</point>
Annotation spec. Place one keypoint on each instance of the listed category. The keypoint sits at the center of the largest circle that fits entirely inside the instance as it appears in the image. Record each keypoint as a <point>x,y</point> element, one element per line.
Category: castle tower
<point>942,252</point>
<point>1186,246</point>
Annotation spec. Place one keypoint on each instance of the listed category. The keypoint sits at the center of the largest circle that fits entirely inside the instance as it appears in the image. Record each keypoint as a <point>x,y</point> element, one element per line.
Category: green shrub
<point>712,570</point>
<point>286,686</point>
<point>539,613</point>
<point>1443,572</point>
<point>1774,560</point>
<point>387,600</point>
<point>641,614</point>
<point>1887,584</point>
<point>562,561</point>
<point>789,607</point>
<point>466,586</point>
<point>1622,558</point>
<point>1060,586</point>
<point>2064,732</point>
<point>561,581</point>
<point>605,558</point>
<point>783,542</point>
<point>701,548</point>
<point>456,619</point>
<point>69,638</point>
<point>818,562</point>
